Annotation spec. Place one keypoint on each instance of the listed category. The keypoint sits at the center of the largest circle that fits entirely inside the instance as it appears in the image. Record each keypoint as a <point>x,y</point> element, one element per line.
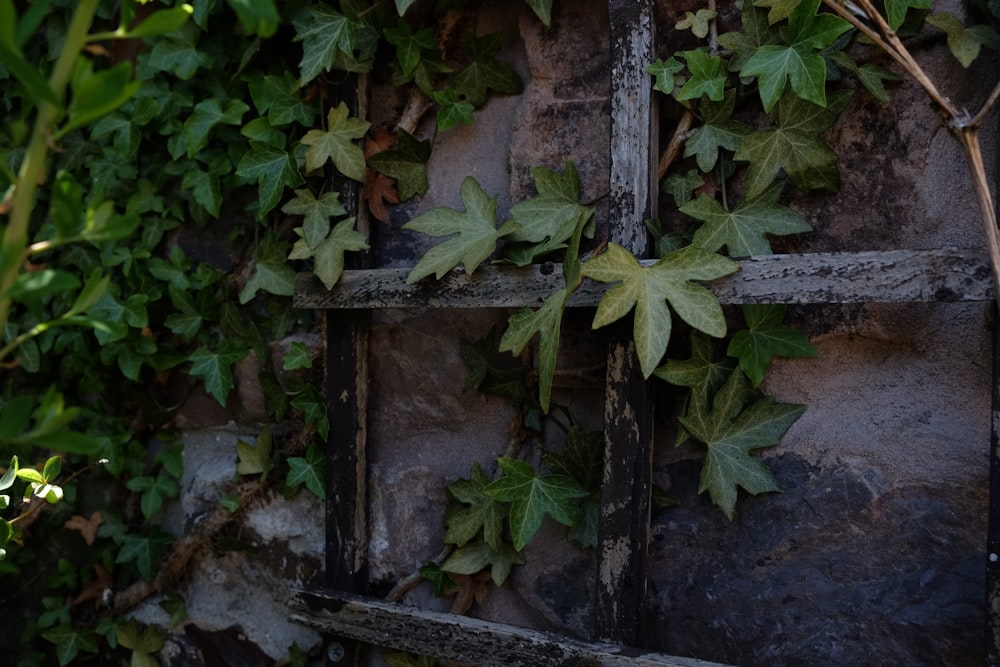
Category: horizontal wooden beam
<point>460,638</point>
<point>858,277</point>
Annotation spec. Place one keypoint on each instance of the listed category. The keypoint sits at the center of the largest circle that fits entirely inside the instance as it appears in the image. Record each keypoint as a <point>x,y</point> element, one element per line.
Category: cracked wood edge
<point>859,277</point>
<point>460,638</point>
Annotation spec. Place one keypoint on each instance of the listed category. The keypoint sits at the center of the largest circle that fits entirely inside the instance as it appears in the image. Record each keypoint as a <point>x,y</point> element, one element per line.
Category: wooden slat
<point>460,638</point>
<point>992,615</point>
<point>860,277</point>
<point>623,523</point>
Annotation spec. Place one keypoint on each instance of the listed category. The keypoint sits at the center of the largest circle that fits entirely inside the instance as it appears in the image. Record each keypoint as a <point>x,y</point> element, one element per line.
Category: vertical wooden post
<point>624,520</point>
<point>347,334</point>
<point>992,634</point>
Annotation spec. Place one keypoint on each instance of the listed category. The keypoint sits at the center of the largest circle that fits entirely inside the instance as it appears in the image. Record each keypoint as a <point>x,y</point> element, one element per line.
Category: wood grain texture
<point>460,638</point>
<point>860,277</point>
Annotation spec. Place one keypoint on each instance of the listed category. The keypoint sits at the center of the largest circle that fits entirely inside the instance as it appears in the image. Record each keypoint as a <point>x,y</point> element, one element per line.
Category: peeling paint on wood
<point>463,639</point>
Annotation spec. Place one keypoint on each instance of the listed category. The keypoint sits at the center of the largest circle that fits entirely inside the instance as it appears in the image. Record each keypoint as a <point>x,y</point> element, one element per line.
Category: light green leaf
<point>274,169</point>
<point>964,43</point>
<point>799,62</point>
<point>159,22</point>
<point>549,219</point>
<point>474,230</point>
<point>477,556</point>
<point>533,497</point>
<point>779,9</point>
<point>310,470</point>
<point>403,5</point>
<point>794,146</point>
<point>255,459</point>
<point>896,10</point>
<point>649,290</point>
<point>664,71</point>
<point>743,231</point>
<point>336,143</point>
<point>765,337</point>
<point>731,431</point>
<point>96,94</point>
<point>328,256</point>
<point>697,22</point>
<point>707,76</point>
<point>316,212</point>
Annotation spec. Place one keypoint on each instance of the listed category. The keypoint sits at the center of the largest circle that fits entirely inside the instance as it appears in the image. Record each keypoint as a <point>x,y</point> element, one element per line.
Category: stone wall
<point>873,553</point>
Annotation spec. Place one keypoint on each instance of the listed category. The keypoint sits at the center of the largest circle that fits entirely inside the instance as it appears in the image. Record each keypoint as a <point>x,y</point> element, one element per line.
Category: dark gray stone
<point>835,570</point>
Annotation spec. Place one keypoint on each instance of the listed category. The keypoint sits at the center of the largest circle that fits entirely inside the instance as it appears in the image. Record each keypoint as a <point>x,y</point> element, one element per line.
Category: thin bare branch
<point>681,134</point>
<point>985,110</point>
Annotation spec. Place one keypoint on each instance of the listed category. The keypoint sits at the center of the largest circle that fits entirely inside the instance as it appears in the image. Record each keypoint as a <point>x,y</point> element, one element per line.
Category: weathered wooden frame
<point>892,276</point>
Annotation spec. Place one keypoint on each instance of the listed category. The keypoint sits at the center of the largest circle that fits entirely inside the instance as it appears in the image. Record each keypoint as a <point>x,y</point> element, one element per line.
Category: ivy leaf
<point>453,110</point>
<point>328,256</point>
<point>766,336</point>
<point>215,368</point>
<point>799,62</point>
<point>475,233</point>
<point>273,168</point>
<point>206,115</point>
<point>433,573</point>
<point>543,10</point>
<point>701,372</point>
<point>697,23</point>
<point>794,146</point>
<point>484,72</point>
<point>964,43</point>
<point>144,551</point>
<point>743,231</point>
<point>335,143</point>
<point>258,17</point>
<point>895,10</point>
<point>271,271</point>
<point>533,497</point>
<point>664,71</point>
<point>255,459</point>
<point>682,187</point>
<point>870,76</point>
<point>477,556</point>
<point>407,163</point>
<point>707,76</point>
<point>281,99</point>
<point>410,46</point>
<point>779,9</point>
<point>316,212</point>
<point>178,53</point>
<point>310,470</point>
<point>153,490</point>
<point>546,322</point>
<point>756,32</point>
<point>716,131</point>
<point>731,433</point>
<point>650,289</point>
<point>69,642</point>
<point>403,5</point>
<point>477,511</point>
<point>327,36</point>
<point>549,219</point>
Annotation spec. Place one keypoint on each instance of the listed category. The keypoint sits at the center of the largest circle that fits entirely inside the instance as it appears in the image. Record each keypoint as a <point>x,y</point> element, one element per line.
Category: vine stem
<point>32,172</point>
<point>964,127</point>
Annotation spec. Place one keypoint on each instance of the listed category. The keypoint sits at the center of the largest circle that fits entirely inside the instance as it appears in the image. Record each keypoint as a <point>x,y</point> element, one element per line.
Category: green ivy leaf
<point>799,62</point>
<point>407,163</point>
<point>335,143</point>
<point>255,459</point>
<point>543,10</point>
<point>144,551</point>
<point>476,511</point>
<point>142,638</point>
<point>328,37</point>
<point>731,431</point>
<point>410,46</point>
<point>316,212</point>
<point>280,97</point>
<point>205,116</point>
<point>433,573</point>
<point>870,76</point>
<point>756,32</point>
<point>743,231</point>
<point>707,76</point>
<point>274,169</point>
<point>697,22</point>
<point>779,9</point>
<point>702,372</point>
<point>271,271</point>
<point>313,407</point>
<point>154,490</point>
<point>474,230</point>
<point>124,132</point>
<point>69,642</point>
<point>215,368</point>
<point>328,256</point>
<point>549,219</point>
<point>452,110</point>
<point>650,289</point>
<point>664,71</point>
<point>258,17</point>
<point>484,72</point>
<point>533,497</point>
<point>964,43</point>
<point>546,322</point>
<point>895,10</point>
<point>298,357</point>
<point>682,187</point>
<point>765,337</point>
<point>178,53</point>
<point>310,470</point>
<point>477,556</point>
<point>716,132</point>
<point>26,74</point>
<point>795,146</point>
